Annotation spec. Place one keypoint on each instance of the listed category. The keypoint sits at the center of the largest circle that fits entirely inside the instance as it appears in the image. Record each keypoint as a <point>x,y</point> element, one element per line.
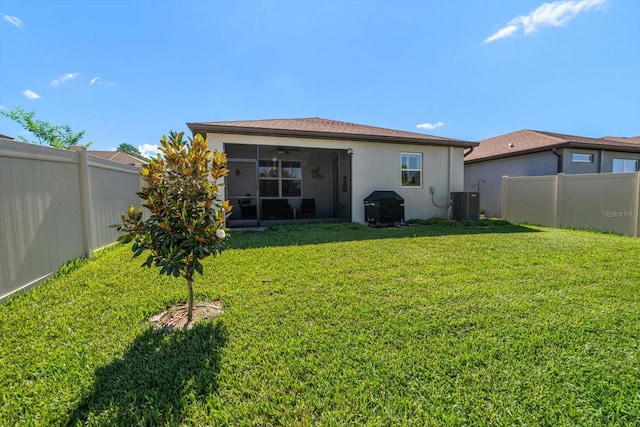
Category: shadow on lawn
<point>159,375</point>
<point>309,234</point>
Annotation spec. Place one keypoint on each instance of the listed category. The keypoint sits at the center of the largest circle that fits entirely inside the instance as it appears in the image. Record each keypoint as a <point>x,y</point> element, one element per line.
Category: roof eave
<point>606,147</point>
<point>568,144</point>
<point>241,130</point>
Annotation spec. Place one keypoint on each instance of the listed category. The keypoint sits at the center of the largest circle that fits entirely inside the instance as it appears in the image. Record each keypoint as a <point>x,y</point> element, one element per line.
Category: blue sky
<point>131,71</point>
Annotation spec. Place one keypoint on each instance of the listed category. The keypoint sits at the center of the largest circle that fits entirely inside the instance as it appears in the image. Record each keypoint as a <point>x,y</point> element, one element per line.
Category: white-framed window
<point>280,178</point>
<point>411,169</point>
<point>625,165</point>
<point>582,158</point>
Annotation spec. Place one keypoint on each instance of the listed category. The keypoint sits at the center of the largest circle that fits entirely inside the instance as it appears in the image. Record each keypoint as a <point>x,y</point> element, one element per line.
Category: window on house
<point>625,165</point>
<point>582,158</point>
<point>411,165</point>
<point>280,178</point>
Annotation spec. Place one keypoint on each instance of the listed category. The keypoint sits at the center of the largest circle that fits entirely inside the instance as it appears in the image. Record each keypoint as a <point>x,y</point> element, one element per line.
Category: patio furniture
<point>276,209</point>
<point>248,210</point>
<point>308,207</point>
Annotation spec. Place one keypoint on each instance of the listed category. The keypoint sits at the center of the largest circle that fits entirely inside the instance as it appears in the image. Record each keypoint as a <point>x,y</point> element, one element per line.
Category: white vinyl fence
<point>606,201</point>
<point>56,205</point>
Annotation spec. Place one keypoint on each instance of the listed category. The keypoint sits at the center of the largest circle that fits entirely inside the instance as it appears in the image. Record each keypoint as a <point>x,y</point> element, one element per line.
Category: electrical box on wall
<point>466,205</point>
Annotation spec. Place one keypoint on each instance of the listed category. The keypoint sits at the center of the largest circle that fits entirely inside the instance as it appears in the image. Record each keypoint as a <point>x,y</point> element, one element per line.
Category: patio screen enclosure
<point>283,184</point>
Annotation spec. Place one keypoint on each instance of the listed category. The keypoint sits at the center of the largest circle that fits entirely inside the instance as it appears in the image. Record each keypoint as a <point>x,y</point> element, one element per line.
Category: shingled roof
<point>316,127</point>
<point>531,141</point>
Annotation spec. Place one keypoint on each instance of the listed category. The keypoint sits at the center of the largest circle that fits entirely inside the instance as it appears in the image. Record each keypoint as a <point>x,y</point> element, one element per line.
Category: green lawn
<point>340,324</point>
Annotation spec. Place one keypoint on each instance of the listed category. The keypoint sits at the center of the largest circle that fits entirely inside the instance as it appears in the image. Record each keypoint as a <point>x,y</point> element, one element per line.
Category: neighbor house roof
<point>531,141</point>
<point>316,127</point>
<point>6,137</point>
<point>118,156</point>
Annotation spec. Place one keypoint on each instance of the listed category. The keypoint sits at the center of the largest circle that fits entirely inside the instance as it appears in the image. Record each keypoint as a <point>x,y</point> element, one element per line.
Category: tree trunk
<point>190,313</point>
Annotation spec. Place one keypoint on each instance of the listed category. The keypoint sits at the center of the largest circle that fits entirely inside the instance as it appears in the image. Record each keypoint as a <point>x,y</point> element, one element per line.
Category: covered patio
<point>270,184</point>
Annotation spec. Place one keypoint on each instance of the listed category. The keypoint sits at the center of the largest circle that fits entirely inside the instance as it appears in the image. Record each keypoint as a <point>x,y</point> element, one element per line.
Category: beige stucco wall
<point>376,166</point>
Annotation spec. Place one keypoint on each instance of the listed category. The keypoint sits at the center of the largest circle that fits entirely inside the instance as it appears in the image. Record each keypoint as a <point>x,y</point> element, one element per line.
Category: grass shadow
<point>318,233</point>
<point>159,375</point>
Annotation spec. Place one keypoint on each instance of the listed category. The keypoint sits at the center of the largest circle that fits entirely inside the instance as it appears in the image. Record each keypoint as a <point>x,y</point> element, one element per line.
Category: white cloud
<point>64,78</point>
<point>99,81</point>
<point>430,125</point>
<point>505,32</point>
<point>554,14</point>
<point>2,107</point>
<point>13,20</point>
<point>30,94</point>
<point>149,150</point>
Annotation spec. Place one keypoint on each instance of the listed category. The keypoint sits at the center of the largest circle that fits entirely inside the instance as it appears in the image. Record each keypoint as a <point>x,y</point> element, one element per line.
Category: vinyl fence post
<point>636,225</point>
<point>557,206</point>
<point>85,200</point>
<point>505,195</point>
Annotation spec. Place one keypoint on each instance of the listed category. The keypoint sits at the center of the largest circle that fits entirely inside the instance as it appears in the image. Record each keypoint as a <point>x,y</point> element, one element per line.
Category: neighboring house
<point>530,153</point>
<point>118,156</point>
<point>314,168</point>
<point>6,137</point>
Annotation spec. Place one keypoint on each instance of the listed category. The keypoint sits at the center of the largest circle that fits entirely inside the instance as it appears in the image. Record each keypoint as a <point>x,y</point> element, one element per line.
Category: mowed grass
<point>336,324</point>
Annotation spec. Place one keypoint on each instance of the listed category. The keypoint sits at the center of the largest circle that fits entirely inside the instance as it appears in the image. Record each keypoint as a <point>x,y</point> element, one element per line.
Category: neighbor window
<point>625,165</point>
<point>411,165</point>
<point>280,178</point>
<point>582,158</point>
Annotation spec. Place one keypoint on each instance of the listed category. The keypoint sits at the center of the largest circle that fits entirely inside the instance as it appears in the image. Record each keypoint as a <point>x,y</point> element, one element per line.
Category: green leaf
<point>198,267</point>
<point>138,252</point>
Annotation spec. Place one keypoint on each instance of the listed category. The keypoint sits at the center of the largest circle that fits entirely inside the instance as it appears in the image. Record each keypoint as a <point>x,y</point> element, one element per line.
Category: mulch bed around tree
<point>175,317</point>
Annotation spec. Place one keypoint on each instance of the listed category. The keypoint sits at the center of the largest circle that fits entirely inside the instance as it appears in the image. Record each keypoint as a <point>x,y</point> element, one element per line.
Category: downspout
<point>554,150</point>
<point>600,161</point>
<point>449,181</point>
<point>469,152</point>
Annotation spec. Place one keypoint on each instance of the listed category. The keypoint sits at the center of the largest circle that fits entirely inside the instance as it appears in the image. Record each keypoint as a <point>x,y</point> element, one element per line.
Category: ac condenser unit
<point>466,205</point>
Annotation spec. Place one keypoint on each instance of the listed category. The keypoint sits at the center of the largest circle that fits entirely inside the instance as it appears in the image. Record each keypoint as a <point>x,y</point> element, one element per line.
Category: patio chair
<point>308,207</point>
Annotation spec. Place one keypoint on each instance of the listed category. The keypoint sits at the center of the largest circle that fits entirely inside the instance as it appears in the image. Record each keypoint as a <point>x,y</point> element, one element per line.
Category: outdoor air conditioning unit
<point>466,205</point>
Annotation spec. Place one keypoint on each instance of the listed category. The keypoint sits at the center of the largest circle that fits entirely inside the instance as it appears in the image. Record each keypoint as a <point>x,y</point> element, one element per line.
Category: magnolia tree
<point>186,215</point>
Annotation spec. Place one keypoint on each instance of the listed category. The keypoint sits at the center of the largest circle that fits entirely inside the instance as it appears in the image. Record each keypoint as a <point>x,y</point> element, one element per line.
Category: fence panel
<point>530,199</point>
<point>606,202</point>
<point>108,200</point>
<point>601,201</point>
<point>45,217</point>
